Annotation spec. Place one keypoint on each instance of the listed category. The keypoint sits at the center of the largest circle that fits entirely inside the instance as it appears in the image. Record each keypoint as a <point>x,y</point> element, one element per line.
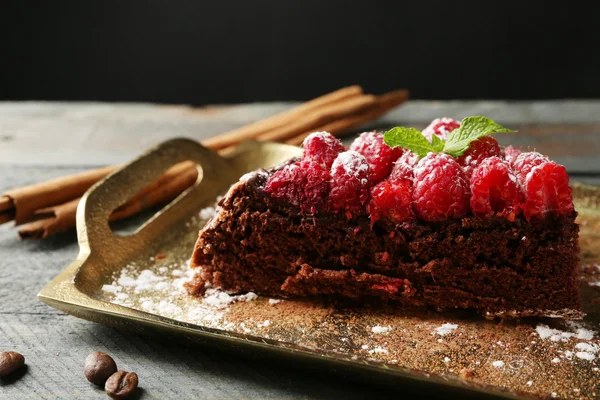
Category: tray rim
<point>63,294</point>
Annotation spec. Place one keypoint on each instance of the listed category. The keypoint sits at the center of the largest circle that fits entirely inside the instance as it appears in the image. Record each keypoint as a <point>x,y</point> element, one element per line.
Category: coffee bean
<point>121,385</point>
<point>98,367</point>
<point>10,361</point>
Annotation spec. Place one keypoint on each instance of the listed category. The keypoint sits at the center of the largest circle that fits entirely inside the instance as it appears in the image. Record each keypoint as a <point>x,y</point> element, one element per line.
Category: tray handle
<point>215,175</point>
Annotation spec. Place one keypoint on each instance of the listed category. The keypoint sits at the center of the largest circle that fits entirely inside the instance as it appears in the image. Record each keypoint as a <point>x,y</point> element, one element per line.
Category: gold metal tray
<point>133,281</point>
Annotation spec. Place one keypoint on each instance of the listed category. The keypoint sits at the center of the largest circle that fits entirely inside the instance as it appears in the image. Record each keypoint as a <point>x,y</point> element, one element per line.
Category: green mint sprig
<point>458,141</point>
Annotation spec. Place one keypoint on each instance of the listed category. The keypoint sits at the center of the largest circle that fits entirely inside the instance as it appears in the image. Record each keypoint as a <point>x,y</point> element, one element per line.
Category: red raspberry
<point>304,184</point>
<point>403,167</point>
<point>547,190</point>
<point>391,199</point>
<point>479,150</point>
<point>511,154</point>
<point>322,147</point>
<point>441,188</point>
<point>380,156</point>
<point>526,161</point>
<point>441,127</point>
<point>495,189</point>
<point>349,183</point>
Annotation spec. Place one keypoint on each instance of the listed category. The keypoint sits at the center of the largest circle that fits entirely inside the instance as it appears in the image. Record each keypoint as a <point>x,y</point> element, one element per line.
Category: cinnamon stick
<point>62,217</point>
<point>382,105</point>
<point>253,130</point>
<point>317,118</point>
<point>22,203</point>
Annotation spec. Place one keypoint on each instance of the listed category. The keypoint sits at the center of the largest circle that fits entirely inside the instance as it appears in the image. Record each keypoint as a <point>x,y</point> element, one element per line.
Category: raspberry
<point>379,155</point>
<point>479,150</point>
<point>349,183</point>
<point>403,167</point>
<point>304,184</point>
<point>495,189</point>
<point>547,190</point>
<point>511,154</point>
<point>322,147</point>
<point>391,199</point>
<point>526,161</point>
<point>441,188</point>
<point>441,127</point>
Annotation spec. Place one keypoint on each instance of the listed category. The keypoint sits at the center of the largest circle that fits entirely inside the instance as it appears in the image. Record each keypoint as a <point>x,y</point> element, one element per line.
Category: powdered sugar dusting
<point>428,132</point>
<point>162,290</point>
<point>381,329</point>
<point>352,162</point>
<point>445,329</point>
<point>324,136</point>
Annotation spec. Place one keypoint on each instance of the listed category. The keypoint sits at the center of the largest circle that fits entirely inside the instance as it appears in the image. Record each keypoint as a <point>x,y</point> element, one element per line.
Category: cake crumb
<point>272,302</point>
<point>467,373</point>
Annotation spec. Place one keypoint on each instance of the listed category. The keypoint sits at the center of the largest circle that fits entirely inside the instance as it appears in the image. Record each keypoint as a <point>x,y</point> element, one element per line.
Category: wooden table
<point>39,141</point>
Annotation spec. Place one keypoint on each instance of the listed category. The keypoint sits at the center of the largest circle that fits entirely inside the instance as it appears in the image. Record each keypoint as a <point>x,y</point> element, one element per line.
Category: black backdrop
<point>200,52</point>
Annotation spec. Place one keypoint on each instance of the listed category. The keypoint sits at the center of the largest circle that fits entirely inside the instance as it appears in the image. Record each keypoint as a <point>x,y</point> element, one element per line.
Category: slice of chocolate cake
<point>444,218</point>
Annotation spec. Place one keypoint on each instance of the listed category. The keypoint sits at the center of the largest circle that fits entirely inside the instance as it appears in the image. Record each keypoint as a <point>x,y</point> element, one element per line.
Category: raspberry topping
<point>441,188</point>
<point>441,127</point>
<point>349,183</point>
<point>404,166</point>
<point>525,162</point>
<point>511,154</point>
<point>547,190</point>
<point>495,189</point>
<point>304,184</point>
<point>391,199</point>
<point>379,155</point>
<point>479,150</point>
<point>322,147</point>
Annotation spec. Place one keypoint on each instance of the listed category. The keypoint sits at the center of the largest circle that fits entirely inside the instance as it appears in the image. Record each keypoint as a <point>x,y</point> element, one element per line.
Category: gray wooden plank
<point>98,134</point>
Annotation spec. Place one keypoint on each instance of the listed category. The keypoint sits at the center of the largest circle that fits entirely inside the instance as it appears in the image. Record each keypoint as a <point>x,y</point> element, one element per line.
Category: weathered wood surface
<point>39,141</point>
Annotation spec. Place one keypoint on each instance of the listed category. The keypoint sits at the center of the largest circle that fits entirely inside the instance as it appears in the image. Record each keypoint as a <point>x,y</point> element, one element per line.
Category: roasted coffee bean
<point>121,385</point>
<point>10,361</point>
<point>98,367</point>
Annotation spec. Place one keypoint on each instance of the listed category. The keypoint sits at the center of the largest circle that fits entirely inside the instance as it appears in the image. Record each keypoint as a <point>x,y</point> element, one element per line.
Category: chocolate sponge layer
<point>499,268</point>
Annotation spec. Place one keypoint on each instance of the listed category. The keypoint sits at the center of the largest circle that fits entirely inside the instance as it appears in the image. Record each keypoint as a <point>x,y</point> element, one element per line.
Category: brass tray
<point>134,281</point>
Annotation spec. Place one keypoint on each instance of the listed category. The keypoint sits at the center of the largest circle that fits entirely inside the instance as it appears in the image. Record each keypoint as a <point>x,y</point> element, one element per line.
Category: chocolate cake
<point>409,218</point>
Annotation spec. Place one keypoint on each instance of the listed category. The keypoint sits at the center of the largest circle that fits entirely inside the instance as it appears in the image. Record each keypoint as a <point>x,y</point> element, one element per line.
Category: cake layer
<point>258,243</point>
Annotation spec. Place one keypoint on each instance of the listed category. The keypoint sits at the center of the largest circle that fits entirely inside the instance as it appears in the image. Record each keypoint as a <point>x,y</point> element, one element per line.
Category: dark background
<point>200,52</point>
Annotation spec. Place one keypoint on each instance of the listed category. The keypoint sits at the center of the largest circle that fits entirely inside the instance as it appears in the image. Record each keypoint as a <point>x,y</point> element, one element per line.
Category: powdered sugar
<point>498,364</point>
<point>555,335</point>
<point>381,329</point>
<point>326,137</point>
<point>207,213</point>
<point>352,162</point>
<point>445,329</point>
<point>161,290</point>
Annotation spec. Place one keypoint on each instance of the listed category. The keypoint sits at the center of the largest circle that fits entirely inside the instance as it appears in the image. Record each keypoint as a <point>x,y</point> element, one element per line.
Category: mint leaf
<point>437,143</point>
<point>409,138</point>
<point>471,128</point>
